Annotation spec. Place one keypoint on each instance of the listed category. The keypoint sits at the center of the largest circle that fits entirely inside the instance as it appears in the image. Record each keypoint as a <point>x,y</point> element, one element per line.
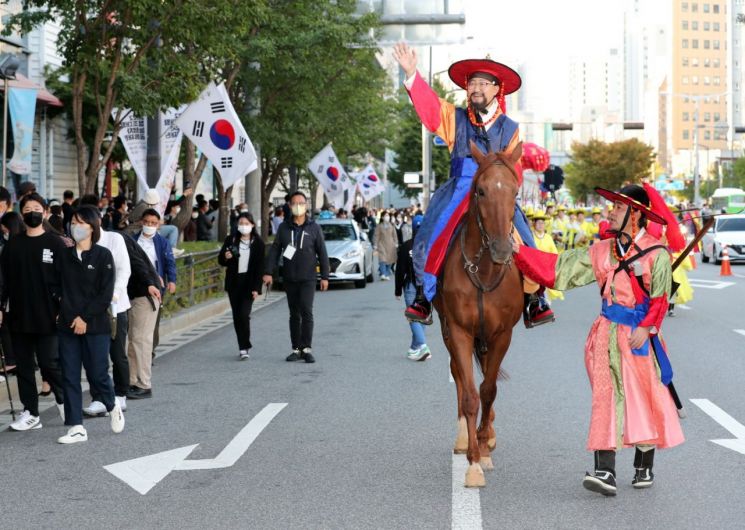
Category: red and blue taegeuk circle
<point>373,177</point>
<point>222,134</point>
<point>332,173</point>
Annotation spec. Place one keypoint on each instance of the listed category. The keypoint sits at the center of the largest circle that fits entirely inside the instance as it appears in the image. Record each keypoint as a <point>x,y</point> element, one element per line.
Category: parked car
<point>350,252</point>
<point>727,230</point>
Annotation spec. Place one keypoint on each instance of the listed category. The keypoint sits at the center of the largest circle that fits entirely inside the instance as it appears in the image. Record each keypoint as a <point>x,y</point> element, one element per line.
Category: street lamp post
<point>8,67</point>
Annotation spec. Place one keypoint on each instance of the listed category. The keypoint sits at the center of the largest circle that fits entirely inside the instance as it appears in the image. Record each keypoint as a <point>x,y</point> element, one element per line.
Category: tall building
<point>698,76</point>
<point>736,78</point>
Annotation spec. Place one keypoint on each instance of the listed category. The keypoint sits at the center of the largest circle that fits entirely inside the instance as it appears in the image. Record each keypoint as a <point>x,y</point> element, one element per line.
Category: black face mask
<point>32,219</point>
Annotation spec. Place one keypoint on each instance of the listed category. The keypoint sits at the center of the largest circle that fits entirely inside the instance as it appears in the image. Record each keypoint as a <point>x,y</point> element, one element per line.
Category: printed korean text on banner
<point>329,172</point>
<point>22,105</point>
<point>133,134</point>
<point>369,183</point>
<point>212,124</point>
<point>168,175</point>
<point>170,134</point>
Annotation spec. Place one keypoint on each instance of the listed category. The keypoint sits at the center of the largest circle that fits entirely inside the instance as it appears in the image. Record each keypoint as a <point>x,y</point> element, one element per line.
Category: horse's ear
<point>476,153</point>
<point>516,154</point>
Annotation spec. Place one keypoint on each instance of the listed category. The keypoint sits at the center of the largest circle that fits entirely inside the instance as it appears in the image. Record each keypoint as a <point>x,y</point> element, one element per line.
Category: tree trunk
<point>224,215</point>
<point>193,175</point>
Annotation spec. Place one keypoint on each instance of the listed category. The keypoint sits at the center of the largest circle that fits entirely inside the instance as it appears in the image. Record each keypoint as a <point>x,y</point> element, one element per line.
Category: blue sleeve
<point>169,262</point>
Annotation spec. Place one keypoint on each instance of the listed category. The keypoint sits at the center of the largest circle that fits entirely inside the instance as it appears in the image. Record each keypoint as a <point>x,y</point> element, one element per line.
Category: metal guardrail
<point>200,276</point>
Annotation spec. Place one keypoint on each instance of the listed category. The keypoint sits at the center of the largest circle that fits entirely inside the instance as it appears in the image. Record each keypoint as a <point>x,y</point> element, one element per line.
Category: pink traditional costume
<point>631,402</point>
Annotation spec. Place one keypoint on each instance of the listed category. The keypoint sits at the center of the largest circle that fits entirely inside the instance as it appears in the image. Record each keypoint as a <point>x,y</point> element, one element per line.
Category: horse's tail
<point>479,351</point>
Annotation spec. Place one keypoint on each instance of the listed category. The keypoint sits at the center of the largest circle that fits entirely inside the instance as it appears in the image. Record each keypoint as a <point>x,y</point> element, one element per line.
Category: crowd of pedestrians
<point>81,285</point>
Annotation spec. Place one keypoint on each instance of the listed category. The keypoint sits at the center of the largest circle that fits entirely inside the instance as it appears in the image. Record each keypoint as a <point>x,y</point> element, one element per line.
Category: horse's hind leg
<point>461,351</point>
<point>488,392</point>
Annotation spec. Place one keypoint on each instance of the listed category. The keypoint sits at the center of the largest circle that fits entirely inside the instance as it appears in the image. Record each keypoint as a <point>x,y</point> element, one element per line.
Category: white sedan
<point>350,252</point>
<point>728,230</point>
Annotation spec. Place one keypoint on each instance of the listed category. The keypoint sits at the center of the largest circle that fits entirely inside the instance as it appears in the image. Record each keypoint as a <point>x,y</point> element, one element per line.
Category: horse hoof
<point>486,463</point>
<point>491,444</point>
<point>475,477</point>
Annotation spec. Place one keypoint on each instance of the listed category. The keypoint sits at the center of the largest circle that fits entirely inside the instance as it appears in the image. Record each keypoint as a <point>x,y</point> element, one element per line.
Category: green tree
<point>309,77</point>
<point>141,55</point>
<point>408,145</point>
<point>608,165</point>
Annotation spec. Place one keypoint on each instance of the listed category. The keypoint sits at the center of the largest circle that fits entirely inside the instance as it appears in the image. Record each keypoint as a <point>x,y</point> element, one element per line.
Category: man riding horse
<point>484,122</point>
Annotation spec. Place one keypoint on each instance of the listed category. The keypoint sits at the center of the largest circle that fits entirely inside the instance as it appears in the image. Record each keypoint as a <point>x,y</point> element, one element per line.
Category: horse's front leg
<point>488,391</point>
<point>462,344</point>
<point>461,439</point>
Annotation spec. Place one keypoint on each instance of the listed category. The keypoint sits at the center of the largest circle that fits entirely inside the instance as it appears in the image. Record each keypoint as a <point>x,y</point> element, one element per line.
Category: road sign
<point>412,178</point>
<point>144,473</point>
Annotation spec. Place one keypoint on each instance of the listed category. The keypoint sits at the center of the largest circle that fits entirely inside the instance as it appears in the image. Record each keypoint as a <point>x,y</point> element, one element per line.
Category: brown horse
<point>479,302</point>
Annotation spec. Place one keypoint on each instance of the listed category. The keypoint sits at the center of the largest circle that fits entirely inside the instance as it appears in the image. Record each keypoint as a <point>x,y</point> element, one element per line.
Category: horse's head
<point>493,199</point>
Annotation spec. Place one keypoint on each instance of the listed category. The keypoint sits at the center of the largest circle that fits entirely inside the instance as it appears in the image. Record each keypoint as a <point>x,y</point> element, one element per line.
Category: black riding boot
<point>420,309</point>
<point>603,480</point>
<point>643,461</point>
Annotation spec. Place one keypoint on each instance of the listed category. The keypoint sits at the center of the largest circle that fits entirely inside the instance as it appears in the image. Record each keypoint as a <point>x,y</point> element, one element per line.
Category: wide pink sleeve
<point>656,314</point>
<point>537,265</point>
<point>437,115</point>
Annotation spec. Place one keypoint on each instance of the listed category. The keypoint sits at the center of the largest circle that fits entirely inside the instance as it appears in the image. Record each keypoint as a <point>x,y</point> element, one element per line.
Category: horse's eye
<point>480,192</point>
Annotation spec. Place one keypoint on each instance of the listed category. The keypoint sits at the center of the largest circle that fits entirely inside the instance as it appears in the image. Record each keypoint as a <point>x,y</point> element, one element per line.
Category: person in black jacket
<point>299,241</point>
<point>243,255</point>
<point>30,310</point>
<point>86,288</point>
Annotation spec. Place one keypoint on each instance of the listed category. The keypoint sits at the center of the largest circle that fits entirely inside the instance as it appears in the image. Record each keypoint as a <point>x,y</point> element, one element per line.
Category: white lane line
<point>450,377</point>
<point>709,284</point>
<point>740,331</point>
<point>683,306</point>
<point>735,428</point>
<point>466,501</point>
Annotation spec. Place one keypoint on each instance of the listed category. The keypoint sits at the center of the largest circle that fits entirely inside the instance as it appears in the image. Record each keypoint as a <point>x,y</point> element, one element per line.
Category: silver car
<point>727,230</point>
<point>350,252</point>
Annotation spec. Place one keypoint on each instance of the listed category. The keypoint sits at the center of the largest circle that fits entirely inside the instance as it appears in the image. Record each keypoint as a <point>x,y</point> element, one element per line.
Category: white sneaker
<point>96,408</point>
<point>2,378</point>
<point>243,355</point>
<point>26,422</point>
<point>122,400</point>
<point>117,418</point>
<point>178,252</point>
<point>75,434</point>
<point>61,409</point>
<point>422,354</point>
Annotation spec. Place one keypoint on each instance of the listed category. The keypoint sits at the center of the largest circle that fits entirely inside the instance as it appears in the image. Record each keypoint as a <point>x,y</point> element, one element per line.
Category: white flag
<point>133,134</point>
<point>369,183</point>
<point>329,172</point>
<point>168,175</point>
<point>170,134</point>
<point>212,124</point>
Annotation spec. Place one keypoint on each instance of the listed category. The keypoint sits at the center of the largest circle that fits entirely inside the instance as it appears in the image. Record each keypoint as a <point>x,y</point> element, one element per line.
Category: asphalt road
<point>366,436</point>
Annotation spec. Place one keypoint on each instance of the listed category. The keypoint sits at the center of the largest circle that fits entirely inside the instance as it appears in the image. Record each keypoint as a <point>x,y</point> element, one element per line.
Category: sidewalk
<point>186,326</point>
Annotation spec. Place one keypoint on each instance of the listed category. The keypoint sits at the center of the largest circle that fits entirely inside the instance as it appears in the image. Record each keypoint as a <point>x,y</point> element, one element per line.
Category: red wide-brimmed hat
<point>634,196</point>
<point>461,71</point>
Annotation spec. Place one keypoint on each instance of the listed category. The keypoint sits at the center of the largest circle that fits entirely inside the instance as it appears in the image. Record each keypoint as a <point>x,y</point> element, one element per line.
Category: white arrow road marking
<point>709,284</point>
<point>466,501</point>
<point>143,473</point>
<point>736,428</point>
<point>740,331</point>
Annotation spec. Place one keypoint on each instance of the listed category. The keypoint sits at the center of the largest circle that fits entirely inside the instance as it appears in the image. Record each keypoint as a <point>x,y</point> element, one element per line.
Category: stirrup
<point>418,313</point>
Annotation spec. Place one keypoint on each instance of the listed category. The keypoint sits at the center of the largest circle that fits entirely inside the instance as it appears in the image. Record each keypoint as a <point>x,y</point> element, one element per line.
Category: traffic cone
<point>726,269</point>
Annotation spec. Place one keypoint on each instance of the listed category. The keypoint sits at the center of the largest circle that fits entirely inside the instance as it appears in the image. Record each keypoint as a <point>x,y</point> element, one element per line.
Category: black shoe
<point>603,480</point>
<point>643,462</point>
<point>139,393</point>
<point>296,355</point>
<point>536,311</point>
<point>308,356</point>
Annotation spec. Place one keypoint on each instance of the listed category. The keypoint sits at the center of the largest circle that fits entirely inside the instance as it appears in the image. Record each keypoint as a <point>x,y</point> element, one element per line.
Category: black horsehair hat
<point>636,197</point>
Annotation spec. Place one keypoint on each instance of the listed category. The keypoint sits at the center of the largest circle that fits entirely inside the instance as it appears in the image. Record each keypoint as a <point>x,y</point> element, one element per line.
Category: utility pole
<point>696,179</point>
<point>427,149</point>
<point>153,151</point>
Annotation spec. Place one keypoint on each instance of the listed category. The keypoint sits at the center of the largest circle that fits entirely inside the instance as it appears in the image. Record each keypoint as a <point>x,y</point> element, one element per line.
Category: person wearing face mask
<point>30,310</point>
<point>145,312</point>
<point>300,244</point>
<point>86,288</point>
<point>386,245</point>
<point>243,257</point>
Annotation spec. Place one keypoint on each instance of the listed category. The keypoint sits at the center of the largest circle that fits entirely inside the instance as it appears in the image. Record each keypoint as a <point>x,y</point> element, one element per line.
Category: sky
<point>538,38</point>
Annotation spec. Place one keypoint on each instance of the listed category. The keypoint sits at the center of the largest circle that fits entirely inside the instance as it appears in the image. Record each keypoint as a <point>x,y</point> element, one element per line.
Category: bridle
<point>488,242</point>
